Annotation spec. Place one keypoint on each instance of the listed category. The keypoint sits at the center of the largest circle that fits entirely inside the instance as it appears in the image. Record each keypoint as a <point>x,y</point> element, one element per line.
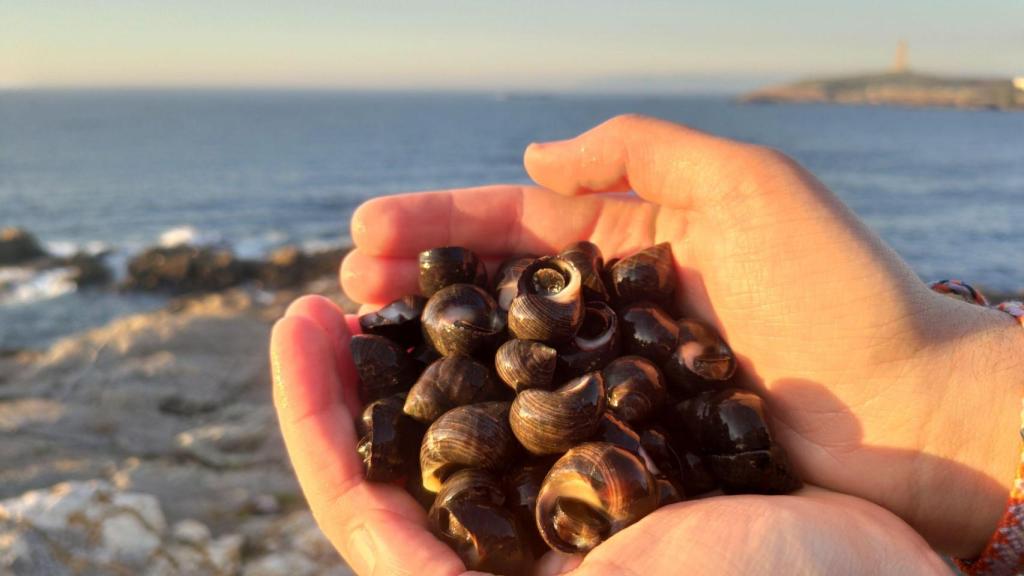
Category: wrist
<point>972,444</point>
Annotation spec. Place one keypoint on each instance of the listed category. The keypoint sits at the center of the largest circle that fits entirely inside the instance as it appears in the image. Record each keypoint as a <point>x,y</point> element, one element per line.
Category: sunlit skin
<point>880,389</point>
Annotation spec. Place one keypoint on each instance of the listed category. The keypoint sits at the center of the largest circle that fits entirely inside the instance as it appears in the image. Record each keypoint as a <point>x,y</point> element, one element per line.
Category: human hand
<point>381,530</point>
<point>878,387</point>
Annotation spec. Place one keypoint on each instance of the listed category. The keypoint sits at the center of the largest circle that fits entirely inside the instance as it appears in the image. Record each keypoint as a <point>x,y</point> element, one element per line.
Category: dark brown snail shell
<point>524,364</point>
<point>388,440</point>
<point>462,319</point>
<point>755,472</point>
<point>593,491</point>
<point>468,516</point>
<point>648,331</point>
<point>614,431</point>
<point>414,484</point>
<point>452,381</point>
<point>694,476</point>
<point>522,486</point>
<point>700,360</point>
<point>441,267</point>
<point>669,492</point>
<point>551,422</point>
<point>384,368</point>
<point>647,275</point>
<point>658,447</point>
<point>586,256</point>
<point>424,354</point>
<point>506,281</point>
<point>549,305</point>
<point>473,484</point>
<point>473,436</point>
<point>733,421</point>
<point>635,388</point>
<point>595,344</point>
<point>398,321</point>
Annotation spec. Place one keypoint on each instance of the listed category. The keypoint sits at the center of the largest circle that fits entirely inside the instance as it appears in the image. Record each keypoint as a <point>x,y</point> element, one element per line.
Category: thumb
<point>664,163</point>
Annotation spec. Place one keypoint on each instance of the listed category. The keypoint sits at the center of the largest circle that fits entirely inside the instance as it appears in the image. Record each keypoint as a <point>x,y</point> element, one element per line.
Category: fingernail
<point>363,550</point>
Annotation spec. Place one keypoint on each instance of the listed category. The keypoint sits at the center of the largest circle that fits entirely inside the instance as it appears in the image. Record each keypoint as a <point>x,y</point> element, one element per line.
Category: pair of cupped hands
<point>897,405</point>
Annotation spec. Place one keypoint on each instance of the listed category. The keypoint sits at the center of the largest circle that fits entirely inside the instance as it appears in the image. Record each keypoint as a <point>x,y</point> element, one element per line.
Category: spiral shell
<point>506,281</point>
<point>648,275</point>
<point>388,440</point>
<point>522,486</point>
<point>595,344</point>
<point>635,388</point>
<point>473,436</point>
<point>732,422</point>
<point>398,321</point>
<point>586,256</point>
<point>755,472</point>
<point>383,367</point>
<point>468,516</point>
<point>593,491</point>
<point>669,492</point>
<point>551,422</point>
<point>700,360</point>
<point>549,305</point>
<point>462,319</point>
<point>524,364</point>
<point>648,331</point>
<point>441,267</point>
<point>452,381</point>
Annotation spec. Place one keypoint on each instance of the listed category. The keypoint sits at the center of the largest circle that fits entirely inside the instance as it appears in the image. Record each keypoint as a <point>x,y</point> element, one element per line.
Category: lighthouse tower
<point>901,64</point>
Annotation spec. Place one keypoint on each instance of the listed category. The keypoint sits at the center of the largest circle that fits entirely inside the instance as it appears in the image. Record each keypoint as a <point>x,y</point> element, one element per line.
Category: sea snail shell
<point>549,305</point>
<point>593,491</point>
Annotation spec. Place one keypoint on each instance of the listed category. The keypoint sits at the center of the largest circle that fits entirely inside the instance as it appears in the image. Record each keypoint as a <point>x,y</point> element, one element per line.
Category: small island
<point>901,87</point>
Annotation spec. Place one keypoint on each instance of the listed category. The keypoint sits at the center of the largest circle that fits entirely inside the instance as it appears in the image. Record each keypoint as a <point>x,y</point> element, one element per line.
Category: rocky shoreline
<point>178,269</point>
<point>149,445</point>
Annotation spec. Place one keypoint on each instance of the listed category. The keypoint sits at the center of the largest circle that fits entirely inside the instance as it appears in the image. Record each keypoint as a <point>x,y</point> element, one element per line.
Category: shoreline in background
<point>46,294</point>
<point>898,88</point>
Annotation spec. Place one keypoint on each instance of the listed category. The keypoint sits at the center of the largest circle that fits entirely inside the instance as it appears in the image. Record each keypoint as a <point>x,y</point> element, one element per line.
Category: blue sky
<point>486,44</point>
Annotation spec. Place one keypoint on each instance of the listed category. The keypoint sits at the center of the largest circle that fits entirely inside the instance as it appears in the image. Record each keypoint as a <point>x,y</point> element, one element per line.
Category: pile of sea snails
<point>554,405</point>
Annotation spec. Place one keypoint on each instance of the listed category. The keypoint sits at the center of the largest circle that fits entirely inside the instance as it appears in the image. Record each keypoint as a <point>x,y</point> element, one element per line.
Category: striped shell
<point>462,319</point>
<point>647,275</point>
<point>549,305</point>
<point>473,436</point>
<point>452,381</point>
<point>551,422</point>
<point>593,491</point>
<point>588,258</point>
<point>524,364</point>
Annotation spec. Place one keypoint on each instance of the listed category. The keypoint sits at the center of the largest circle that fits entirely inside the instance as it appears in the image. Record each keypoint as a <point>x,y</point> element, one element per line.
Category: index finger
<point>494,221</point>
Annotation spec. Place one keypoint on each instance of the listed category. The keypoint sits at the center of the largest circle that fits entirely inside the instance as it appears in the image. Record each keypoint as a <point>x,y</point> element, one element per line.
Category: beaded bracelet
<point>1004,553</point>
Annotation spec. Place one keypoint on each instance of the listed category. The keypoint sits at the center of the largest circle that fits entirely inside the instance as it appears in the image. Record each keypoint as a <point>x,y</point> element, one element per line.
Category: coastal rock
<point>291,546</point>
<point>172,410</point>
<point>283,268</point>
<point>129,389</point>
<point>93,528</point>
<point>239,440</point>
<point>88,270</point>
<point>183,269</point>
<point>289,266</point>
<point>18,246</point>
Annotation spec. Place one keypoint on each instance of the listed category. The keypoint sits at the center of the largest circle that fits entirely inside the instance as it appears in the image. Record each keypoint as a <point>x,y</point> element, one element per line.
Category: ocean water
<point>119,171</point>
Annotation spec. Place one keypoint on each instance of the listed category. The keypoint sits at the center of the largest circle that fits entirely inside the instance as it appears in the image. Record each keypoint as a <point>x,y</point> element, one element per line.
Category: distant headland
<point>900,86</point>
